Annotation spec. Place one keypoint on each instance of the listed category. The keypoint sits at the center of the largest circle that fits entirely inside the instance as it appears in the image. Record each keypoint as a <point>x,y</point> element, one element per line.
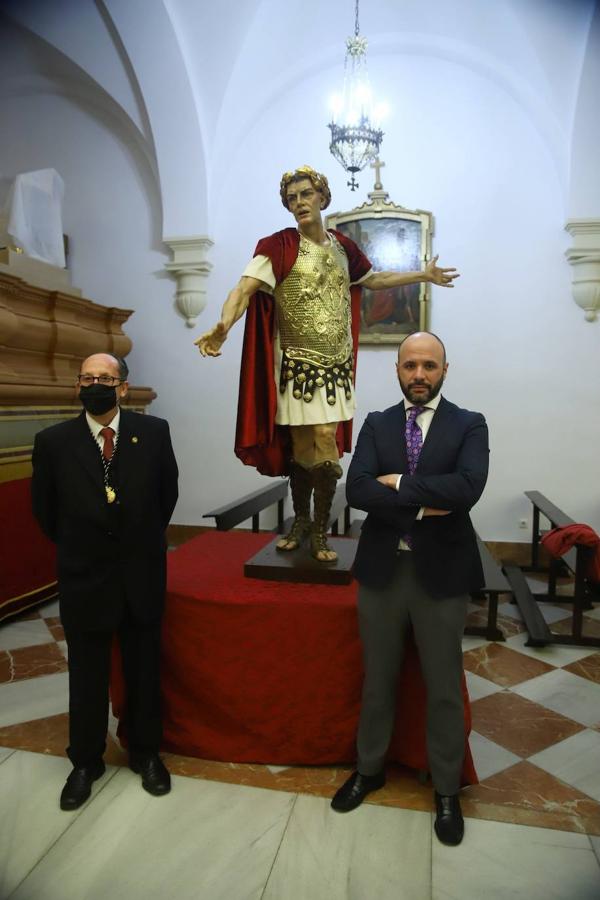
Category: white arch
<point>584,199</point>
<point>162,76</point>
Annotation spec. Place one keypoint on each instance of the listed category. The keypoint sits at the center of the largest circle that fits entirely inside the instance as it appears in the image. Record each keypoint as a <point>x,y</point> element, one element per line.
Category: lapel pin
<point>134,440</point>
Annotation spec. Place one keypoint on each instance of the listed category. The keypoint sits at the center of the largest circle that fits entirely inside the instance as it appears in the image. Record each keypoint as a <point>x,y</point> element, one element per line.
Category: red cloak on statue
<point>259,442</point>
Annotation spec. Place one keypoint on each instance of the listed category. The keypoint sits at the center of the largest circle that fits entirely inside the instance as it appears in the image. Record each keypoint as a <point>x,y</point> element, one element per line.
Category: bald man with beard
<point>417,470</point>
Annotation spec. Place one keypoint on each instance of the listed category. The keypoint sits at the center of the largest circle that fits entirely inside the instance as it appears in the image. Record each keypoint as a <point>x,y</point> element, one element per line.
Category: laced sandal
<point>301,488</point>
<point>296,535</point>
<point>318,545</point>
<point>325,476</point>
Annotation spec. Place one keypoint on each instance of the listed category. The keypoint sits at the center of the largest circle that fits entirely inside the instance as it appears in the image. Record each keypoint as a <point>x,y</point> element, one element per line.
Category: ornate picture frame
<point>392,237</point>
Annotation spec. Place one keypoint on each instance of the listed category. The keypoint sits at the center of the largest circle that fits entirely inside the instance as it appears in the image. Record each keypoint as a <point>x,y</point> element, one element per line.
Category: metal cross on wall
<point>378,166</point>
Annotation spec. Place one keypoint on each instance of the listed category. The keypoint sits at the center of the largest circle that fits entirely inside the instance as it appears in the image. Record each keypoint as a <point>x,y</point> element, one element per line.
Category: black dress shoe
<point>355,789</point>
<point>449,824</point>
<point>78,786</point>
<point>155,777</point>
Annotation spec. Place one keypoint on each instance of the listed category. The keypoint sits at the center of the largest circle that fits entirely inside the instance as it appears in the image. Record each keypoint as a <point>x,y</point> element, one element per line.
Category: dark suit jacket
<point>108,554</point>
<point>451,474</point>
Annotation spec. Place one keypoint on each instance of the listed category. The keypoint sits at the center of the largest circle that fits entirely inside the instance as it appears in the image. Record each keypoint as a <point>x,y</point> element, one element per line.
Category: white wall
<point>585,181</point>
<point>112,209</point>
<point>481,135</point>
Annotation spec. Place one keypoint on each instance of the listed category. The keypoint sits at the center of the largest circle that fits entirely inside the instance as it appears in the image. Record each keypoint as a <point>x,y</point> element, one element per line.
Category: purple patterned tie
<point>414,444</point>
<point>414,438</point>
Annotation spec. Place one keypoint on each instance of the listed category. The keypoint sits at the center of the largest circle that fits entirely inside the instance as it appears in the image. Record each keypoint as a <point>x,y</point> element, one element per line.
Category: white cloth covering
<point>32,216</point>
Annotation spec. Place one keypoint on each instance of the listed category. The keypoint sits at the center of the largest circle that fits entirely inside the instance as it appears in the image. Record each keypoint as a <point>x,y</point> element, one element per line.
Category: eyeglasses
<point>107,380</point>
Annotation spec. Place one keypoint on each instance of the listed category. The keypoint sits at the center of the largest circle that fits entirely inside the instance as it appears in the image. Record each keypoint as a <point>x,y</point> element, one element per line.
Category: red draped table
<point>27,557</point>
<point>268,672</point>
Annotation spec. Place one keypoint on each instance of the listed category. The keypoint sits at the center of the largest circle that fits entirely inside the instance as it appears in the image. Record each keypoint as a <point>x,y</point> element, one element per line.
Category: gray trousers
<point>384,617</point>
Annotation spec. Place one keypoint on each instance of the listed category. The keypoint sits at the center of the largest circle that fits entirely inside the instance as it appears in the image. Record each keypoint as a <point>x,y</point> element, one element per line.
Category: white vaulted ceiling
<point>192,77</point>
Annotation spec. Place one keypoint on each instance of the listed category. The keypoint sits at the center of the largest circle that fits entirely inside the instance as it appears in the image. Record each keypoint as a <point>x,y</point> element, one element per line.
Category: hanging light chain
<point>357,45</point>
<point>355,140</point>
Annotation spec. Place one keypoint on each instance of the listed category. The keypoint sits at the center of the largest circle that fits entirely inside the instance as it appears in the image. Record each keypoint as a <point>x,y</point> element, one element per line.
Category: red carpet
<point>27,557</point>
<point>267,672</point>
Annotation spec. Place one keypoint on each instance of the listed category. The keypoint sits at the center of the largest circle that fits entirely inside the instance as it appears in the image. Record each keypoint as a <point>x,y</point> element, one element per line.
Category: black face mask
<point>97,399</point>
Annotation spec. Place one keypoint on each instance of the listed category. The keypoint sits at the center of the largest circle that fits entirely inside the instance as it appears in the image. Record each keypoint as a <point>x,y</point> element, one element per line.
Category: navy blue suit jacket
<point>451,474</point>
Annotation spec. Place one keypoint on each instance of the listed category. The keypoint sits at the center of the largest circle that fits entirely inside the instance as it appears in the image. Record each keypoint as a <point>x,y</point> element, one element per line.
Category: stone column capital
<point>191,268</point>
<point>584,257</point>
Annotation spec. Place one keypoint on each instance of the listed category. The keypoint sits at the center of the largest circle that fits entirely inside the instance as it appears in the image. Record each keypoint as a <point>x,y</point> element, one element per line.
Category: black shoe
<point>78,786</point>
<point>155,777</point>
<point>355,789</point>
<point>449,824</point>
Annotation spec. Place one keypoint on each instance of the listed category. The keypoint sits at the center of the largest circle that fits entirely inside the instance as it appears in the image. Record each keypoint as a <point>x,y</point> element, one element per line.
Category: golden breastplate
<point>313,307</point>
<point>313,317</point>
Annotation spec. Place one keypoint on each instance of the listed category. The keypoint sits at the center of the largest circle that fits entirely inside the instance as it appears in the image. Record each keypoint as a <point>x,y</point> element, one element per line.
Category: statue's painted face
<point>304,202</point>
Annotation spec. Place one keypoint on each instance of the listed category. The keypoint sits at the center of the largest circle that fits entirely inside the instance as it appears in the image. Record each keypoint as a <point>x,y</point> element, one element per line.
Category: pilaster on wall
<point>584,257</point>
<point>191,269</point>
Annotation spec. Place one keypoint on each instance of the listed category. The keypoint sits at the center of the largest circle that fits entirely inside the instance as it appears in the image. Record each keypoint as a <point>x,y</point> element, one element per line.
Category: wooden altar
<point>46,329</point>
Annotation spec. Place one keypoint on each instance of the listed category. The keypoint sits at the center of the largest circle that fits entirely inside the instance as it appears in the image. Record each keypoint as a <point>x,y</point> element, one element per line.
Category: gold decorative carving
<point>44,335</point>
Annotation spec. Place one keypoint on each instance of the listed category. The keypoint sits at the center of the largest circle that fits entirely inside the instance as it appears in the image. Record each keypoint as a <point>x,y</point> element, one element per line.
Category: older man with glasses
<point>104,487</point>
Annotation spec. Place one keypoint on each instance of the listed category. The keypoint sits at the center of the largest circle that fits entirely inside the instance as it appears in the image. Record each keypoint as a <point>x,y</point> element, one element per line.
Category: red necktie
<point>109,445</point>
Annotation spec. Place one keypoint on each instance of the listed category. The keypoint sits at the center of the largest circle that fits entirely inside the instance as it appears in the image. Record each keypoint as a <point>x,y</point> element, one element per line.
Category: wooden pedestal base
<point>299,566</point>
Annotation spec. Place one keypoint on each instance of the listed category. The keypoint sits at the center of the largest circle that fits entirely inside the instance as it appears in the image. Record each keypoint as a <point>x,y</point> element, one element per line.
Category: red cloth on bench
<point>558,541</point>
<point>265,671</point>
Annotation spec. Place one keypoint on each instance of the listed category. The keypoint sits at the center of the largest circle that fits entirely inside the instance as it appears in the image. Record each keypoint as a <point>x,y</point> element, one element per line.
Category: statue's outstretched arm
<point>432,272</point>
<point>209,343</point>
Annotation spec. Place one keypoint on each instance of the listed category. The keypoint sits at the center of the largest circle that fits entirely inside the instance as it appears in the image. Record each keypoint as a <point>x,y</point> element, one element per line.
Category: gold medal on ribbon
<point>111,494</point>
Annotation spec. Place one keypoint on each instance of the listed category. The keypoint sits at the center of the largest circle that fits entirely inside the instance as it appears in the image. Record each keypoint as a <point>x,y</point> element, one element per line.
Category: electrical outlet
<point>523,523</point>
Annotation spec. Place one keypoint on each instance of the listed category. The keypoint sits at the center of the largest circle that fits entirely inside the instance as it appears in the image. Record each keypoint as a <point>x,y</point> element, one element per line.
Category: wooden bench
<point>339,506</point>
<point>557,519</point>
<point>577,559</point>
<point>251,505</point>
<point>495,583</point>
<point>536,625</point>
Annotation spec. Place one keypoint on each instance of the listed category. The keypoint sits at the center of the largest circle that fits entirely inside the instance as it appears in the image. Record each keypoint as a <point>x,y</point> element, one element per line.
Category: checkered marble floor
<point>535,738</point>
<point>239,831</point>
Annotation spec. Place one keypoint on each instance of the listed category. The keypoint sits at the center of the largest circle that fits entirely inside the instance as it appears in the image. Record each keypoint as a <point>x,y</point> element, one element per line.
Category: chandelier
<point>355,121</point>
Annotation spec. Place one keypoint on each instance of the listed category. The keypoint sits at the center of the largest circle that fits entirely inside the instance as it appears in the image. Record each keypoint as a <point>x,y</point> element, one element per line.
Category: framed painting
<point>392,237</point>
